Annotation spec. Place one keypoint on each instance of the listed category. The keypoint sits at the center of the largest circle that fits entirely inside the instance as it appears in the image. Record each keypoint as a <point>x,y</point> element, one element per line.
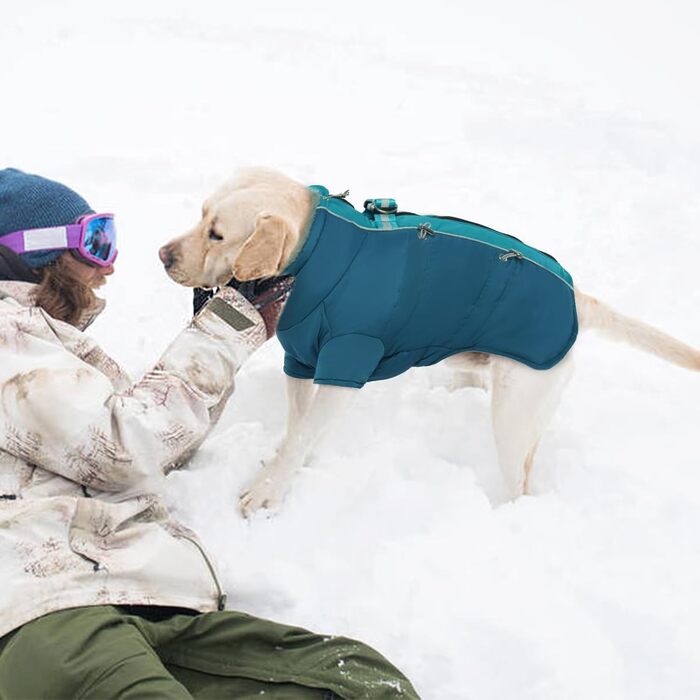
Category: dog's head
<point>248,230</point>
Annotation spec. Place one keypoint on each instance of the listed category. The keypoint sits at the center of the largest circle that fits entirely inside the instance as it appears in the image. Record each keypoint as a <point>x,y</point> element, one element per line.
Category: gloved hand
<point>267,296</point>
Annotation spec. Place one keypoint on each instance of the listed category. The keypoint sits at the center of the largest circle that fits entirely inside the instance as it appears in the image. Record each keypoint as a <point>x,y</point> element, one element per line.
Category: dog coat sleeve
<point>294,368</point>
<point>348,360</point>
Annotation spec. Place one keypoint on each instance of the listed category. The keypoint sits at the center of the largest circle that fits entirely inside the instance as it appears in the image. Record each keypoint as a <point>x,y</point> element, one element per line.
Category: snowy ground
<point>572,125</point>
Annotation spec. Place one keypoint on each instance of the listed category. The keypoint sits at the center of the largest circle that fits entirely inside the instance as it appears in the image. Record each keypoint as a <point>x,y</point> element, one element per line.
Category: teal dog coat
<point>380,291</point>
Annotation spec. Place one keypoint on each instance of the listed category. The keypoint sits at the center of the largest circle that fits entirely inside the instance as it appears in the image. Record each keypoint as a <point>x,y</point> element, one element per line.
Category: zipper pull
<point>425,230</point>
<point>343,195</point>
<point>505,257</point>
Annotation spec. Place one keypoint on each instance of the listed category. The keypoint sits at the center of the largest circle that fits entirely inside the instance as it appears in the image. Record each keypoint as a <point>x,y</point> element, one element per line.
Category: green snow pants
<point>146,653</point>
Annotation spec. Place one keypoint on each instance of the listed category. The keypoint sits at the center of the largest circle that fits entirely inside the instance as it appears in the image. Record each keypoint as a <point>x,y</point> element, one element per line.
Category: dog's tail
<point>594,314</point>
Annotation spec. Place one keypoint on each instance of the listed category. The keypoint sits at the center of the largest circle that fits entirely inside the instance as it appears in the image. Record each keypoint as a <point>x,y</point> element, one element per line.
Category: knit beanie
<point>30,201</point>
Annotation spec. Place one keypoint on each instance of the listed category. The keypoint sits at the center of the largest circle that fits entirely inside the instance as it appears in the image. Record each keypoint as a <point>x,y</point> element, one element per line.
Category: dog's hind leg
<point>271,483</point>
<point>523,402</point>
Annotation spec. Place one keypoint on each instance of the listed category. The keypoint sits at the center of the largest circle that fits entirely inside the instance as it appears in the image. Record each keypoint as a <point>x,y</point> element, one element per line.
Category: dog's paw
<point>257,497</point>
<point>267,490</point>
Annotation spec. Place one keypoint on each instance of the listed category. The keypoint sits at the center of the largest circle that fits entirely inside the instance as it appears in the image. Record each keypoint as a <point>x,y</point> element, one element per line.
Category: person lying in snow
<point>104,595</point>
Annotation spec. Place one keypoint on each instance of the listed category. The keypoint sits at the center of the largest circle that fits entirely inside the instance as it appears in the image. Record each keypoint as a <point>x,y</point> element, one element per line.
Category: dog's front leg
<point>271,483</point>
<point>300,393</point>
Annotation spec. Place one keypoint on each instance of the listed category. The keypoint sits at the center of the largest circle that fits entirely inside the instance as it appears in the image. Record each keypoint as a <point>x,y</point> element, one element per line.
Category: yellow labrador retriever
<point>253,226</point>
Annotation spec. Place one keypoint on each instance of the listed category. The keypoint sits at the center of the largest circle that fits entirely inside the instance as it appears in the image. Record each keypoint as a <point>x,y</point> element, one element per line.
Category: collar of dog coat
<point>304,248</point>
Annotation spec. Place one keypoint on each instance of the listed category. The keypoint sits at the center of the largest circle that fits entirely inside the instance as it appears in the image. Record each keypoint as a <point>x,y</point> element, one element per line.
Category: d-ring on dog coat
<point>380,291</point>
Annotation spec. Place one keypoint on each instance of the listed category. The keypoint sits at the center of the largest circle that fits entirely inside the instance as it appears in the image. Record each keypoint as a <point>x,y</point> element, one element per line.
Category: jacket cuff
<point>231,315</point>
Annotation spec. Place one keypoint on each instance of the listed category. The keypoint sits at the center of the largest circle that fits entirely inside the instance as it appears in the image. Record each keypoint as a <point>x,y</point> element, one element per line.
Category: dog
<point>255,225</point>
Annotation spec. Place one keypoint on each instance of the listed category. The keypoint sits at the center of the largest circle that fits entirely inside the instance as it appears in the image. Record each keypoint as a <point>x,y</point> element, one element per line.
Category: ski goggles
<point>93,236</point>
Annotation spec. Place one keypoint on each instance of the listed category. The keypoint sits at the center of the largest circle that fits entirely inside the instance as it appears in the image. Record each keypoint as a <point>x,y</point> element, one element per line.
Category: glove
<point>268,296</point>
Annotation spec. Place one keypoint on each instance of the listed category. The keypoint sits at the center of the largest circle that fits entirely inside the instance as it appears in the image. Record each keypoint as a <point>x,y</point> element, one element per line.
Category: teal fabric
<point>379,291</point>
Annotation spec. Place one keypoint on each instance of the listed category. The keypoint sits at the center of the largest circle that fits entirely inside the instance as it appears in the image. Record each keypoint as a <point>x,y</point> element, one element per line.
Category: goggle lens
<point>100,239</point>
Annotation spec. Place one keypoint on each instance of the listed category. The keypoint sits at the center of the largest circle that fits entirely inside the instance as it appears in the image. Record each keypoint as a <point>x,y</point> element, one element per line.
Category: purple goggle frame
<point>93,236</point>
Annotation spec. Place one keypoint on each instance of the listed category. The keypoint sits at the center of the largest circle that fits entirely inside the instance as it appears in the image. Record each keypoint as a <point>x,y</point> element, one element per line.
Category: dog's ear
<point>263,254</point>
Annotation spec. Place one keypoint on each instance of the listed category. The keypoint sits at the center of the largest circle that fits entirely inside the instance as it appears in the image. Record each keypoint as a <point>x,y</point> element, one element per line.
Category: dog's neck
<point>301,219</point>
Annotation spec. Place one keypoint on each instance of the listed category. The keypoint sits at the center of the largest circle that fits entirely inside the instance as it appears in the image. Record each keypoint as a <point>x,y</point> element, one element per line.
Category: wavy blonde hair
<point>61,293</point>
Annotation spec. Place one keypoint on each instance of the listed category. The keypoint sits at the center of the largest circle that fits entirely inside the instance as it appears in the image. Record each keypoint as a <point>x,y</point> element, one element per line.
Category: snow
<point>571,125</point>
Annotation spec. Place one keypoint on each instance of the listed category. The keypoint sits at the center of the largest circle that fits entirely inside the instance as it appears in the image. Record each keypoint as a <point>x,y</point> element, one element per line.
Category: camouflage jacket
<point>83,451</point>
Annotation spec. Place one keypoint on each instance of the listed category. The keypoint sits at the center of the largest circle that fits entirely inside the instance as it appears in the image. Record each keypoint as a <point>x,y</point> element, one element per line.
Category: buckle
<point>381,206</point>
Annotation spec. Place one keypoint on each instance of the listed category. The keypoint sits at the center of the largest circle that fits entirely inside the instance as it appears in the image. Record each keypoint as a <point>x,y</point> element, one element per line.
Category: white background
<point>572,125</point>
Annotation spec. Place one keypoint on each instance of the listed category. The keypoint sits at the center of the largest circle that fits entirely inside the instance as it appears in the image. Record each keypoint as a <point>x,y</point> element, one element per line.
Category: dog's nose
<point>166,256</point>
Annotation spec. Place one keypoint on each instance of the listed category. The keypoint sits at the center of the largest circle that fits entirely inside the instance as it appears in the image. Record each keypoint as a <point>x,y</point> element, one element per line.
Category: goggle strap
<point>52,238</point>
<point>69,237</point>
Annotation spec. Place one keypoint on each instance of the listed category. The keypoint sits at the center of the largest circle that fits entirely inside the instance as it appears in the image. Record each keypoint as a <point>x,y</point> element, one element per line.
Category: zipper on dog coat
<point>380,291</point>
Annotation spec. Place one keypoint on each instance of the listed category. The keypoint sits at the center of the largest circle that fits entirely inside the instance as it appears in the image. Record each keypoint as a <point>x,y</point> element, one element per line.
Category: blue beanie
<point>30,201</point>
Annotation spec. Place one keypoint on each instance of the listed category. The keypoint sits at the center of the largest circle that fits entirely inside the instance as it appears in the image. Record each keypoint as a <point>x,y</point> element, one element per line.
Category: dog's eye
<point>214,236</point>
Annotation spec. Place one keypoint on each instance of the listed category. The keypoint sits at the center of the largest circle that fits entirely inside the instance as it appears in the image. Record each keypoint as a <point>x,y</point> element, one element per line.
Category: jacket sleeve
<point>67,418</point>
